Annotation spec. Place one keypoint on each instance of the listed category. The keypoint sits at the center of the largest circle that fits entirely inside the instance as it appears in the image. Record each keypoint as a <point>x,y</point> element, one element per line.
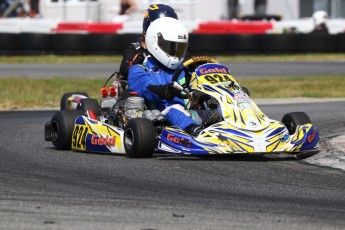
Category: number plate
<point>79,137</point>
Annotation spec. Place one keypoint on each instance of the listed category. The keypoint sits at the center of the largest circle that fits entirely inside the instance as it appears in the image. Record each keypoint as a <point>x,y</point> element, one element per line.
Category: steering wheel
<point>196,61</point>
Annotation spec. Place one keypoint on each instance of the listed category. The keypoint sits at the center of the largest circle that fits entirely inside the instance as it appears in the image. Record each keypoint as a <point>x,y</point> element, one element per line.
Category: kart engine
<point>133,107</point>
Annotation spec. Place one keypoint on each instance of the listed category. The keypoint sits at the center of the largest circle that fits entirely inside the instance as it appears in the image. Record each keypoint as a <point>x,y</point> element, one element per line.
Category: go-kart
<point>122,123</point>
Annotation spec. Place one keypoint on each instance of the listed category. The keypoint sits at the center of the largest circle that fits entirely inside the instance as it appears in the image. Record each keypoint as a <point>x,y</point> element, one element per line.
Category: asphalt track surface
<point>238,69</point>
<point>42,188</point>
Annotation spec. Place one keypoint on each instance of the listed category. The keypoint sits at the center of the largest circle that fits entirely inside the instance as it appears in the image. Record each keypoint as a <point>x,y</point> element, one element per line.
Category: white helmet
<point>167,40</point>
<point>320,17</point>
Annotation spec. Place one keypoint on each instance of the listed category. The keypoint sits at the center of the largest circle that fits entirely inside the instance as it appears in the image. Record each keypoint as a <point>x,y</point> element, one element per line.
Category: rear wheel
<point>62,125</point>
<point>139,138</point>
<point>89,104</point>
<point>64,99</point>
<point>292,120</point>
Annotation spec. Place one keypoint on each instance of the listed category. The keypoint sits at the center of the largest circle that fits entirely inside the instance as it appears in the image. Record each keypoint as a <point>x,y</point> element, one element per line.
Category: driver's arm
<point>131,55</point>
<point>139,80</point>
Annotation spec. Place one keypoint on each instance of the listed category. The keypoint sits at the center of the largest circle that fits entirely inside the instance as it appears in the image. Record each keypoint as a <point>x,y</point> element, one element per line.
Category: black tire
<point>62,125</point>
<point>292,120</point>
<point>246,90</point>
<point>139,138</point>
<point>89,104</point>
<point>64,99</point>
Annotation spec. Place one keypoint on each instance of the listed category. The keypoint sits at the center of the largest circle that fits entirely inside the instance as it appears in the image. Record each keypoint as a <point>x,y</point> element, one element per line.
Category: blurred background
<point>43,23</point>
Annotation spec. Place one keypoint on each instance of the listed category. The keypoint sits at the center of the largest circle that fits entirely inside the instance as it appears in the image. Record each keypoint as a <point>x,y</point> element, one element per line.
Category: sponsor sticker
<point>99,140</point>
<point>311,137</point>
<point>177,140</point>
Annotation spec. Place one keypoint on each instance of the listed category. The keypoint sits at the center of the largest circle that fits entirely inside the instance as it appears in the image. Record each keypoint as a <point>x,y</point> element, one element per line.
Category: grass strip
<point>57,59</point>
<point>19,93</point>
<point>109,59</point>
<point>323,86</point>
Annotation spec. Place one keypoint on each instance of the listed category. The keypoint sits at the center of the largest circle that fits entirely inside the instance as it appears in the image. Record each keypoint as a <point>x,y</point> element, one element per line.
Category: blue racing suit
<point>153,73</point>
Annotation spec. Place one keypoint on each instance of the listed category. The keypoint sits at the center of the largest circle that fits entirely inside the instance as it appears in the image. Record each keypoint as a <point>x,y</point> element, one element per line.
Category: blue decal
<point>284,138</point>
<point>225,89</point>
<point>188,145</point>
<point>236,133</point>
<point>311,139</point>
<point>80,120</point>
<point>277,131</point>
<point>209,88</point>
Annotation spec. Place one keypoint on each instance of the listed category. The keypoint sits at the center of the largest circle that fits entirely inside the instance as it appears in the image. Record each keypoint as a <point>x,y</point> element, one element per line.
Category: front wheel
<point>139,138</point>
<point>62,125</point>
<point>294,119</point>
<point>246,90</point>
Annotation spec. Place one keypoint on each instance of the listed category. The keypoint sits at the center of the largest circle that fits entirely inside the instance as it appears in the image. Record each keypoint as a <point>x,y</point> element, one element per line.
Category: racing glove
<point>167,92</point>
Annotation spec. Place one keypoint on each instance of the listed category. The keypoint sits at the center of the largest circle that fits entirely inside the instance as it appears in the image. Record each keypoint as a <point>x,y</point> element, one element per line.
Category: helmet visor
<point>175,49</point>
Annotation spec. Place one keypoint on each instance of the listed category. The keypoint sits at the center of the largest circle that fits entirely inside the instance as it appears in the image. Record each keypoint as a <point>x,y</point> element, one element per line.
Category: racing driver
<point>166,41</point>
